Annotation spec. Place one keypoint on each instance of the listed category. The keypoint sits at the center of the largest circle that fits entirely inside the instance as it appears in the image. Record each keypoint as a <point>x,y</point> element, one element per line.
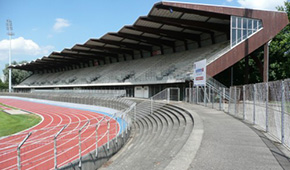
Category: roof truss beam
<point>62,60</point>
<point>189,27</point>
<point>97,53</point>
<point>172,34</point>
<point>108,49</point>
<point>192,11</point>
<point>125,45</point>
<point>77,56</point>
<point>153,41</point>
<point>190,23</point>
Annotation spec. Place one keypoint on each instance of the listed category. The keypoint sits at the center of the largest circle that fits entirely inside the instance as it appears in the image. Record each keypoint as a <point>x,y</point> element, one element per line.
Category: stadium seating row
<point>162,68</point>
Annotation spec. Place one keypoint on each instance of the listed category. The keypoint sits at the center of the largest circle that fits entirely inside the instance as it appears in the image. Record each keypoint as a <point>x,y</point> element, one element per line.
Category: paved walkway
<point>228,143</point>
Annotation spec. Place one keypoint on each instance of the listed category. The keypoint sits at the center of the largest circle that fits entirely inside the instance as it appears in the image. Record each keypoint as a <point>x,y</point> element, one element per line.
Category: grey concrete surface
<point>229,144</point>
<point>218,141</point>
<point>183,158</point>
<point>157,139</point>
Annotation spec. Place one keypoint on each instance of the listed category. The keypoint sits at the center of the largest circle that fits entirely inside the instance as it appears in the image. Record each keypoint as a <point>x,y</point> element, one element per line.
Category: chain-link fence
<point>207,96</point>
<point>265,105</point>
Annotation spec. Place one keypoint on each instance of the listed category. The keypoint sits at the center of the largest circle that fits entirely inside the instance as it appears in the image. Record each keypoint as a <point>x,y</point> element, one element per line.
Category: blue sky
<point>43,26</point>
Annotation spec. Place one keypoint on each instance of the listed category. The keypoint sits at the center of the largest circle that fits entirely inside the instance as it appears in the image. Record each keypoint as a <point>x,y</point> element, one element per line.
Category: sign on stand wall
<point>199,73</point>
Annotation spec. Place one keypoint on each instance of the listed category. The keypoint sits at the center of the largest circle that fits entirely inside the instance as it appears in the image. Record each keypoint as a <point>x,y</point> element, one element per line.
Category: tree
<point>17,75</point>
<point>279,59</point>
<point>280,50</point>
<point>3,85</point>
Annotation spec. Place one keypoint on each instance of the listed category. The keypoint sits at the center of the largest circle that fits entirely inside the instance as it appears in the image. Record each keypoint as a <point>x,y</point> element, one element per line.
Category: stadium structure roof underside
<point>166,24</point>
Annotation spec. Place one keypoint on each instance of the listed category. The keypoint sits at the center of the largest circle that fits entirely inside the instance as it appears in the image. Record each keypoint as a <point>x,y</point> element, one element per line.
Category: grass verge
<point>10,124</point>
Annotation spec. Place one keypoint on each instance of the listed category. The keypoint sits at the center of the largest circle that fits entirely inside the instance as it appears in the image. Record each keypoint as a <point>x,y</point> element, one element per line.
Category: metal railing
<point>266,105</point>
<point>214,95</point>
<point>157,101</point>
<point>68,139</point>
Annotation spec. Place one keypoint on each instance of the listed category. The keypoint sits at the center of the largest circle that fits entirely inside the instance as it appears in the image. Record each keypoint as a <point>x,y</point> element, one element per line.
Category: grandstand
<point>153,58</point>
<point>158,50</point>
<point>159,69</point>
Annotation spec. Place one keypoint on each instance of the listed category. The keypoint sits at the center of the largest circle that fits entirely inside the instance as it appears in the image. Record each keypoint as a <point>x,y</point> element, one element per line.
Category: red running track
<point>38,150</point>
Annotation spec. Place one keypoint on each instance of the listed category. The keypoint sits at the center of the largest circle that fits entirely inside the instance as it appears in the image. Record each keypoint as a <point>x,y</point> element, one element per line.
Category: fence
<point>67,142</point>
<point>156,102</point>
<point>91,92</point>
<point>266,105</point>
<point>215,98</point>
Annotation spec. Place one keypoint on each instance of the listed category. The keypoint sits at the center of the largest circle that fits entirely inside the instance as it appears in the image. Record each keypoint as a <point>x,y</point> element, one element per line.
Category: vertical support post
<point>178,93</point>
<point>18,151</point>
<point>135,112</point>
<point>197,89</point>
<point>108,134</point>
<point>209,94</point>
<point>126,118</point>
<point>254,106</point>
<point>232,75</point>
<point>235,99</point>
<point>55,147</point>
<point>97,127</point>
<point>168,95</point>
<point>192,96</point>
<point>122,126</point>
<point>224,96</point>
<point>212,97</point>
<point>266,61</point>
<point>220,97</point>
<point>80,144</point>
<point>244,100</point>
<point>282,112</point>
<point>230,98</point>
<point>188,95</point>
<point>151,106</point>
<point>267,110</point>
<point>116,130</point>
<point>204,95</point>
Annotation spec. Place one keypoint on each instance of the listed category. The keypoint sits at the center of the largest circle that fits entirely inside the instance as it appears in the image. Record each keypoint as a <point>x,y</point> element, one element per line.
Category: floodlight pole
<point>10,33</point>
<point>10,78</point>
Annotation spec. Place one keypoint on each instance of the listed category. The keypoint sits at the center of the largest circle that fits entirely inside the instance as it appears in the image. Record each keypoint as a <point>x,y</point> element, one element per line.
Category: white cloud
<point>261,4</point>
<point>59,24</point>
<point>21,46</point>
<point>229,0</point>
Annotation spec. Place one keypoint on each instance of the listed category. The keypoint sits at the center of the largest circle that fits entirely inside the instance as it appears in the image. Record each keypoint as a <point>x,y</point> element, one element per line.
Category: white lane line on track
<point>22,137</point>
<point>85,150</point>
<point>60,146</point>
<point>94,117</point>
<point>37,147</point>
<point>30,139</point>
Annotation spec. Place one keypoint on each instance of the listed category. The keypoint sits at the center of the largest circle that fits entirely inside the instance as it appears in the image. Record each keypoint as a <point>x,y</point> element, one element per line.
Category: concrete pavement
<point>228,143</point>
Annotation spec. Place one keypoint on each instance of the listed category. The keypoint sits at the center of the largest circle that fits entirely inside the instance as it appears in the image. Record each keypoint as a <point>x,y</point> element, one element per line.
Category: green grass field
<point>10,124</point>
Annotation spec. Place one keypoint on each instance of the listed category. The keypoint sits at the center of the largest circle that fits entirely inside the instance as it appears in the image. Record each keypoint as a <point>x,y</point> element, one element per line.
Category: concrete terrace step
<point>145,139</point>
<point>158,137</point>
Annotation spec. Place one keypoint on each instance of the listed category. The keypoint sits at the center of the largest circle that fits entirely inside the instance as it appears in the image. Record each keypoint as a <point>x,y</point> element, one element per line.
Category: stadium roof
<point>166,23</point>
